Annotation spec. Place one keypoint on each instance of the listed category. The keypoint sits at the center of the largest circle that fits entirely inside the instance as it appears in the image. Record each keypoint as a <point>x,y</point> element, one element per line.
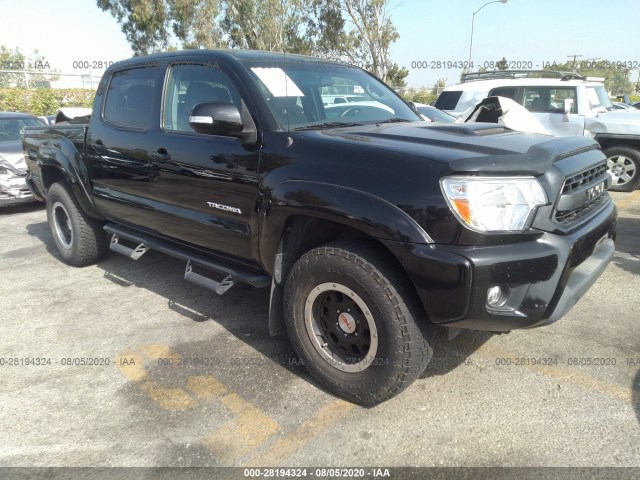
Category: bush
<point>44,101</point>
<point>419,96</point>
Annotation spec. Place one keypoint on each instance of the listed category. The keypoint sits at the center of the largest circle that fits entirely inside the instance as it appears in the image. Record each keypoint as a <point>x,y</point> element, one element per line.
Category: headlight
<point>493,204</point>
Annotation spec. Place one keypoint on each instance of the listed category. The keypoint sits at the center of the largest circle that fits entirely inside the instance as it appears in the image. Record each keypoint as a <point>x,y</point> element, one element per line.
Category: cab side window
<point>189,85</point>
<point>508,92</point>
<point>548,99</point>
<point>129,96</point>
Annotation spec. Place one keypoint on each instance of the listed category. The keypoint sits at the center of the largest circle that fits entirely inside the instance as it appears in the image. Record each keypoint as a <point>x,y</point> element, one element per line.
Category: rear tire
<point>624,165</point>
<point>80,240</point>
<point>351,318</point>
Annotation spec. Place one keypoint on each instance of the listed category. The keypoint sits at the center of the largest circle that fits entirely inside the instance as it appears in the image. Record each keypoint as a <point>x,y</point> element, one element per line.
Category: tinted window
<point>189,85</point>
<point>548,99</point>
<point>448,100</point>
<point>508,92</point>
<point>130,97</point>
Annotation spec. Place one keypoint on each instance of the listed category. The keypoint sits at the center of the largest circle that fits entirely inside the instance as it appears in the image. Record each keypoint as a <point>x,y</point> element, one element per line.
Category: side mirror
<point>568,104</point>
<point>214,118</point>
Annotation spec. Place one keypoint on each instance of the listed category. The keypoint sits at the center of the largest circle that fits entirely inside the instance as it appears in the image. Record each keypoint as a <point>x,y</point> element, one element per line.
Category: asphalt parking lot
<point>125,364</point>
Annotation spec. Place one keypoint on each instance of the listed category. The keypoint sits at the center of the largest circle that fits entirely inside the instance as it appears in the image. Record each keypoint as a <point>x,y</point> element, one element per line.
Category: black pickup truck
<point>369,225</point>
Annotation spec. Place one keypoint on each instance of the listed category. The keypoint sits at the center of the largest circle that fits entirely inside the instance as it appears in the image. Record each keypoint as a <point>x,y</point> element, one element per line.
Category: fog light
<point>496,296</point>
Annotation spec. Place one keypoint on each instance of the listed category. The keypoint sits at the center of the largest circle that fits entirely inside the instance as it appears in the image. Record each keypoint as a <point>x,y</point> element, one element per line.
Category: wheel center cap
<point>347,322</point>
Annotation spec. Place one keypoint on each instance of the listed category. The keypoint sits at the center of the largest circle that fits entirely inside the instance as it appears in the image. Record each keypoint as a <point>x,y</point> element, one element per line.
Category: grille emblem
<point>595,191</point>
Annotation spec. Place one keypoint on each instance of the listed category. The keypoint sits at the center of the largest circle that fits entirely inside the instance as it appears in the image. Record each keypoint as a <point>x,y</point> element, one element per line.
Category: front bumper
<point>544,278</point>
<point>14,190</point>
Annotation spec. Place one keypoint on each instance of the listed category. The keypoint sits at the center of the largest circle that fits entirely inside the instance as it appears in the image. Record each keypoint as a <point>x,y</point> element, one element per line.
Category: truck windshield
<point>309,95</point>
<point>598,98</point>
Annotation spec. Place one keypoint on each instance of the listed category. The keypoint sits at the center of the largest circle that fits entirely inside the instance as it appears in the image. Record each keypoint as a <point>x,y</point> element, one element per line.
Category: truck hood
<point>470,147</point>
<point>11,153</point>
<point>625,122</point>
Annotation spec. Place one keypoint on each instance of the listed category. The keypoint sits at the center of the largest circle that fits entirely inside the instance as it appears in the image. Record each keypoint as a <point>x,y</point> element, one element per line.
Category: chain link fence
<point>44,79</point>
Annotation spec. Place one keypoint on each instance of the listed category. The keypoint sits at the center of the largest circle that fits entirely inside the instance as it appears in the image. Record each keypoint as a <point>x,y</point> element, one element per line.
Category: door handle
<point>161,155</point>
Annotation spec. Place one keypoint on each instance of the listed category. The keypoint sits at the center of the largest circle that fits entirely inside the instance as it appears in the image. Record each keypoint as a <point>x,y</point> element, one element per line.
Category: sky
<point>526,32</point>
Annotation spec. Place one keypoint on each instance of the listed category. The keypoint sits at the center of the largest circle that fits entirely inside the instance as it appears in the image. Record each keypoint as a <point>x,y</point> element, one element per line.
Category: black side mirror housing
<point>215,118</point>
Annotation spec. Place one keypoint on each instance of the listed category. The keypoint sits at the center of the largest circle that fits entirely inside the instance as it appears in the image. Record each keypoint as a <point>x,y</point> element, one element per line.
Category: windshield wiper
<point>394,120</point>
<point>318,126</point>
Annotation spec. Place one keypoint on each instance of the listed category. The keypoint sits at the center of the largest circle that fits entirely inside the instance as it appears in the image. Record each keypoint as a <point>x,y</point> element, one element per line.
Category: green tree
<point>357,31</point>
<point>257,24</point>
<point>145,23</point>
<point>502,64</point>
<point>438,86</point>
<point>274,25</point>
<point>396,75</point>
<point>616,79</point>
<point>196,24</point>
<point>370,36</point>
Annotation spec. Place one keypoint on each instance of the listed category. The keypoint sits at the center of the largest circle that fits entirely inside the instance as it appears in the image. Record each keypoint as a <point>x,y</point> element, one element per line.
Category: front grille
<point>583,178</point>
<point>571,216</point>
<point>577,186</point>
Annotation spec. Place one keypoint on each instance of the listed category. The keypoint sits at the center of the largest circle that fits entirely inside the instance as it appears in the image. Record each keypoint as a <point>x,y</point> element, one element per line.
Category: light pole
<point>473,18</point>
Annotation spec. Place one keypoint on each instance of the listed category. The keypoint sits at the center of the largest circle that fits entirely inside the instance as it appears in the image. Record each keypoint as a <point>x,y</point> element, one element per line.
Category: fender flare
<point>615,136</point>
<point>360,210</point>
<point>65,158</point>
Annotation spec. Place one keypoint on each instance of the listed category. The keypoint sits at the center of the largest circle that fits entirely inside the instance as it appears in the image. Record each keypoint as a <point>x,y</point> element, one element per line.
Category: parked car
<point>566,104</point>
<point>13,169</point>
<point>433,114</point>
<point>337,99</point>
<point>368,232</point>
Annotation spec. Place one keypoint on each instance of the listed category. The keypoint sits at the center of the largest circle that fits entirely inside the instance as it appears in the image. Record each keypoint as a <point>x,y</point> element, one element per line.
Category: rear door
<point>120,143</point>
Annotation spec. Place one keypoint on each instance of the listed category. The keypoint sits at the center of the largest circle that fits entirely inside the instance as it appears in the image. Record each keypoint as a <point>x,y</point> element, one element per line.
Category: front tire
<point>624,166</point>
<point>352,320</point>
<point>79,238</point>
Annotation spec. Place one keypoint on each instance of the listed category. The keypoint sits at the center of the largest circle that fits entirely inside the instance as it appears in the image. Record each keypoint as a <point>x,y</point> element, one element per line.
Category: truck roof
<point>238,54</point>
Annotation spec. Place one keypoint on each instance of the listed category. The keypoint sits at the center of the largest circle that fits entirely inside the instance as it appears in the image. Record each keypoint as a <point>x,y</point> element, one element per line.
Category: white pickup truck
<point>565,104</point>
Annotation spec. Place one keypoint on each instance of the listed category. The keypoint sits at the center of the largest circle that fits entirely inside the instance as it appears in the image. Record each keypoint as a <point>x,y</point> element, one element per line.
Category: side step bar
<point>206,282</point>
<point>145,242</point>
<point>133,253</point>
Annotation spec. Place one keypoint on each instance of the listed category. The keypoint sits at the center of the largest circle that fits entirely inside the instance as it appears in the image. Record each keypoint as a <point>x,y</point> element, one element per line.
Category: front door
<point>547,105</point>
<point>207,184</point>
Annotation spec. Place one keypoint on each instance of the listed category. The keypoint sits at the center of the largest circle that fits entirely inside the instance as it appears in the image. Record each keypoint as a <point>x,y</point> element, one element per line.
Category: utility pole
<point>573,65</point>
